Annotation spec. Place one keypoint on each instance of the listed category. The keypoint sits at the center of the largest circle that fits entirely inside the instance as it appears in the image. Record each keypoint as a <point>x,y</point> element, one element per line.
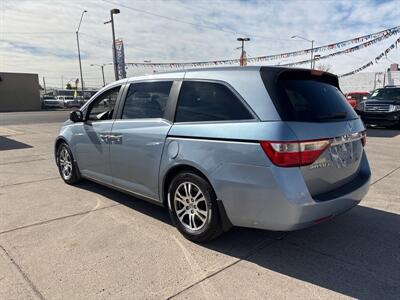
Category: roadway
<point>33,117</point>
<point>90,242</point>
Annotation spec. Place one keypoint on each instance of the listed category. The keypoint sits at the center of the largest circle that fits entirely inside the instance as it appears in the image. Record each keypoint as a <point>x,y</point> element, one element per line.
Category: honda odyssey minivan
<point>263,147</point>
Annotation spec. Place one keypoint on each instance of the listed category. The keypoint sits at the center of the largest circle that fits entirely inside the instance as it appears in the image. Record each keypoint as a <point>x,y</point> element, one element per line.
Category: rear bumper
<point>272,199</point>
<point>383,119</point>
<point>308,215</point>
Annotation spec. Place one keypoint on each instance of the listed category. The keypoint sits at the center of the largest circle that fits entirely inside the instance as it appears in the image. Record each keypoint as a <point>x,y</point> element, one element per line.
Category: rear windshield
<point>303,97</point>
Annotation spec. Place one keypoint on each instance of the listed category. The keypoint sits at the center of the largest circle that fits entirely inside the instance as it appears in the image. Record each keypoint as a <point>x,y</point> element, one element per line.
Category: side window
<point>208,101</point>
<point>102,107</point>
<point>146,100</point>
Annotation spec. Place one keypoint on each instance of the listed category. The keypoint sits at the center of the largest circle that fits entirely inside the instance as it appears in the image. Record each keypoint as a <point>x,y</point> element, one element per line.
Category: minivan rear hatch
<point>312,105</point>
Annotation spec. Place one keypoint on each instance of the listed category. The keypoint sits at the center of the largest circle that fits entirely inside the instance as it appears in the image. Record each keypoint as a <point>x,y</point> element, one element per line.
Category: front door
<point>92,139</point>
<point>138,137</point>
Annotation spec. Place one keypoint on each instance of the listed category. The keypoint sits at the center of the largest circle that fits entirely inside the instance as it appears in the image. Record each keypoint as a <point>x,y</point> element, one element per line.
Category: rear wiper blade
<point>338,115</point>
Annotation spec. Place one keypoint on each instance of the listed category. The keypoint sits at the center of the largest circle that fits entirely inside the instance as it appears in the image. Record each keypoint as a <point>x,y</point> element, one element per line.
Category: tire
<point>195,216</point>
<point>66,166</point>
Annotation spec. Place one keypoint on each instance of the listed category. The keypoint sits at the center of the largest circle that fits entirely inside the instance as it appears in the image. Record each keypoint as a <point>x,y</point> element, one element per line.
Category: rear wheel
<point>193,207</point>
<point>66,166</point>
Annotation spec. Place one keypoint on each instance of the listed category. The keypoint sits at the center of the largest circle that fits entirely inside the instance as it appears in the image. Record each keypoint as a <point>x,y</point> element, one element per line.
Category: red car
<point>356,97</point>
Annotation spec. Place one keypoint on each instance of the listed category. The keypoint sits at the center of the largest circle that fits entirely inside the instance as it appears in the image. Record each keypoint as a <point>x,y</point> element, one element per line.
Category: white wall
<point>364,82</point>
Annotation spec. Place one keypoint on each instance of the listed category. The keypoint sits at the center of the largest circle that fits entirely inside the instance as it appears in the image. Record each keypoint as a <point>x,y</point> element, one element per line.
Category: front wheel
<point>66,166</point>
<point>193,207</point>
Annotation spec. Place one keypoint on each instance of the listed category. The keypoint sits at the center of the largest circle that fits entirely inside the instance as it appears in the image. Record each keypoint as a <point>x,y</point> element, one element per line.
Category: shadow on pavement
<point>356,254</point>
<point>381,132</point>
<point>10,144</point>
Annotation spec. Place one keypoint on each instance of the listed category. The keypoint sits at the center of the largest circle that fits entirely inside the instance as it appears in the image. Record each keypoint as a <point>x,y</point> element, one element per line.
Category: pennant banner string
<point>370,38</point>
<point>345,51</point>
<point>379,57</point>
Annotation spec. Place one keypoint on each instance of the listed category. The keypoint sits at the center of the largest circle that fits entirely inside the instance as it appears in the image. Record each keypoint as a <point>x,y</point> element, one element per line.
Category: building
<point>19,92</point>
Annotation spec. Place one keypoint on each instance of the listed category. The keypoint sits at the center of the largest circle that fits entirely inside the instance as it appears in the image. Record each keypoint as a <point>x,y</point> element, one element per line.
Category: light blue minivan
<point>263,147</point>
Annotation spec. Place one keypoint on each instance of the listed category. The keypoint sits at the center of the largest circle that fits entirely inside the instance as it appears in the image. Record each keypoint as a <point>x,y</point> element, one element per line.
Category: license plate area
<point>343,150</point>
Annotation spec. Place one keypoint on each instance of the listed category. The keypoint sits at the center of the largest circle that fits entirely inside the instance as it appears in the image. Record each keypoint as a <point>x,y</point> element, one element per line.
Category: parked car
<point>63,99</point>
<point>73,101</point>
<point>382,108</point>
<point>52,102</point>
<point>263,147</point>
<point>356,97</point>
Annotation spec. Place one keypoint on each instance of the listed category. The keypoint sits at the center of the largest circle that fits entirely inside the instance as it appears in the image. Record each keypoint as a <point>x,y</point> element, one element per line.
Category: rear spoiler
<point>273,74</point>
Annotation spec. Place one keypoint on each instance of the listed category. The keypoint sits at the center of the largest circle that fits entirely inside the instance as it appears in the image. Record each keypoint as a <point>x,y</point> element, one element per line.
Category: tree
<point>69,86</point>
<point>324,67</point>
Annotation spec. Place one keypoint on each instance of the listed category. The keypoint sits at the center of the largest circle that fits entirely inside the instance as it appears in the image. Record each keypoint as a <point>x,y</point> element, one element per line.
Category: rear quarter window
<point>209,101</point>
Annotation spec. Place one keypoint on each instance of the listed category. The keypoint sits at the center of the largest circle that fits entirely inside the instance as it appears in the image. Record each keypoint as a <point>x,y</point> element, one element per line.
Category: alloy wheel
<point>65,163</point>
<point>191,206</point>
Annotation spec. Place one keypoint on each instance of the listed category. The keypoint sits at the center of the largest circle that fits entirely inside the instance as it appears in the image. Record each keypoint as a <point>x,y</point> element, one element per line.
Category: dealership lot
<point>59,241</point>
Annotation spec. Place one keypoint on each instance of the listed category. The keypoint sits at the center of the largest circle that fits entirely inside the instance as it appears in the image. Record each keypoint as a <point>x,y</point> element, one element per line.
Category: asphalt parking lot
<point>59,241</point>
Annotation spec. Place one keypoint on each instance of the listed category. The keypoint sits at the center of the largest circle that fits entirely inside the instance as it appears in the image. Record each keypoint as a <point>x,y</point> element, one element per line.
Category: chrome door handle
<point>105,138</point>
<point>116,138</point>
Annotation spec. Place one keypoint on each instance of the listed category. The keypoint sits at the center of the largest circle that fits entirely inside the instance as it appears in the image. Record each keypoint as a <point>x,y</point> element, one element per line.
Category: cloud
<point>40,51</point>
<point>39,36</point>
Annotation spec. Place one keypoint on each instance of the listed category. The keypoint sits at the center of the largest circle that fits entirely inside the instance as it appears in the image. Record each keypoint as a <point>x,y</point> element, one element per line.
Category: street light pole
<point>79,51</point>
<point>312,57</point>
<point>242,55</point>
<point>112,13</point>
<point>312,48</point>
<point>102,71</point>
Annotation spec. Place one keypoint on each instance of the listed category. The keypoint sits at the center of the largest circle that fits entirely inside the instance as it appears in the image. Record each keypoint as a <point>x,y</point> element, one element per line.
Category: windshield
<point>386,94</point>
<point>69,98</point>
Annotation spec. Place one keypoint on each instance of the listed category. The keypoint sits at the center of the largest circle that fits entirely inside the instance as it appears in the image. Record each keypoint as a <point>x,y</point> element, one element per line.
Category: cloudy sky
<point>38,36</point>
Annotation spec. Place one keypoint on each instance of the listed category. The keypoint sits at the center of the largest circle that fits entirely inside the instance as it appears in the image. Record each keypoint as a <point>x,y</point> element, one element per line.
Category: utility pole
<point>79,51</point>
<point>242,55</point>
<point>312,48</point>
<point>312,57</point>
<point>62,81</point>
<point>44,85</point>
<point>112,13</point>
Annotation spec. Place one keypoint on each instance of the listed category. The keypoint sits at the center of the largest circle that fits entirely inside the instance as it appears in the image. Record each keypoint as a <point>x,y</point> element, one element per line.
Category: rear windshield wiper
<point>338,115</point>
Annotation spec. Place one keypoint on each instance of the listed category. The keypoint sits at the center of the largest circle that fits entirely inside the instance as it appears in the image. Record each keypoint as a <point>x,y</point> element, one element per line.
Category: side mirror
<point>76,116</point>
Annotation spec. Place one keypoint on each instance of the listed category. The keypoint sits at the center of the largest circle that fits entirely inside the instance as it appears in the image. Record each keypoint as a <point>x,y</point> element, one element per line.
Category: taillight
<point>294,154</point>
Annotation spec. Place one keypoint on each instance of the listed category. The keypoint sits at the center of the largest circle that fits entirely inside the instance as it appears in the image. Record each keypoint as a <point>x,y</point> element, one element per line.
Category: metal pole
<point>242,56</point>
<point>114,48</point>
<point>102,72</point>
<point>79,56</point>
<point>312,58</point>
<point>384,79</point>
<point>44,85</point>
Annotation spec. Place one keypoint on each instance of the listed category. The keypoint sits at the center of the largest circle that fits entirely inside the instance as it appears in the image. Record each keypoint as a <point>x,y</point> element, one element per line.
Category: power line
<point>33,32</point>
<point>214,27</point>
